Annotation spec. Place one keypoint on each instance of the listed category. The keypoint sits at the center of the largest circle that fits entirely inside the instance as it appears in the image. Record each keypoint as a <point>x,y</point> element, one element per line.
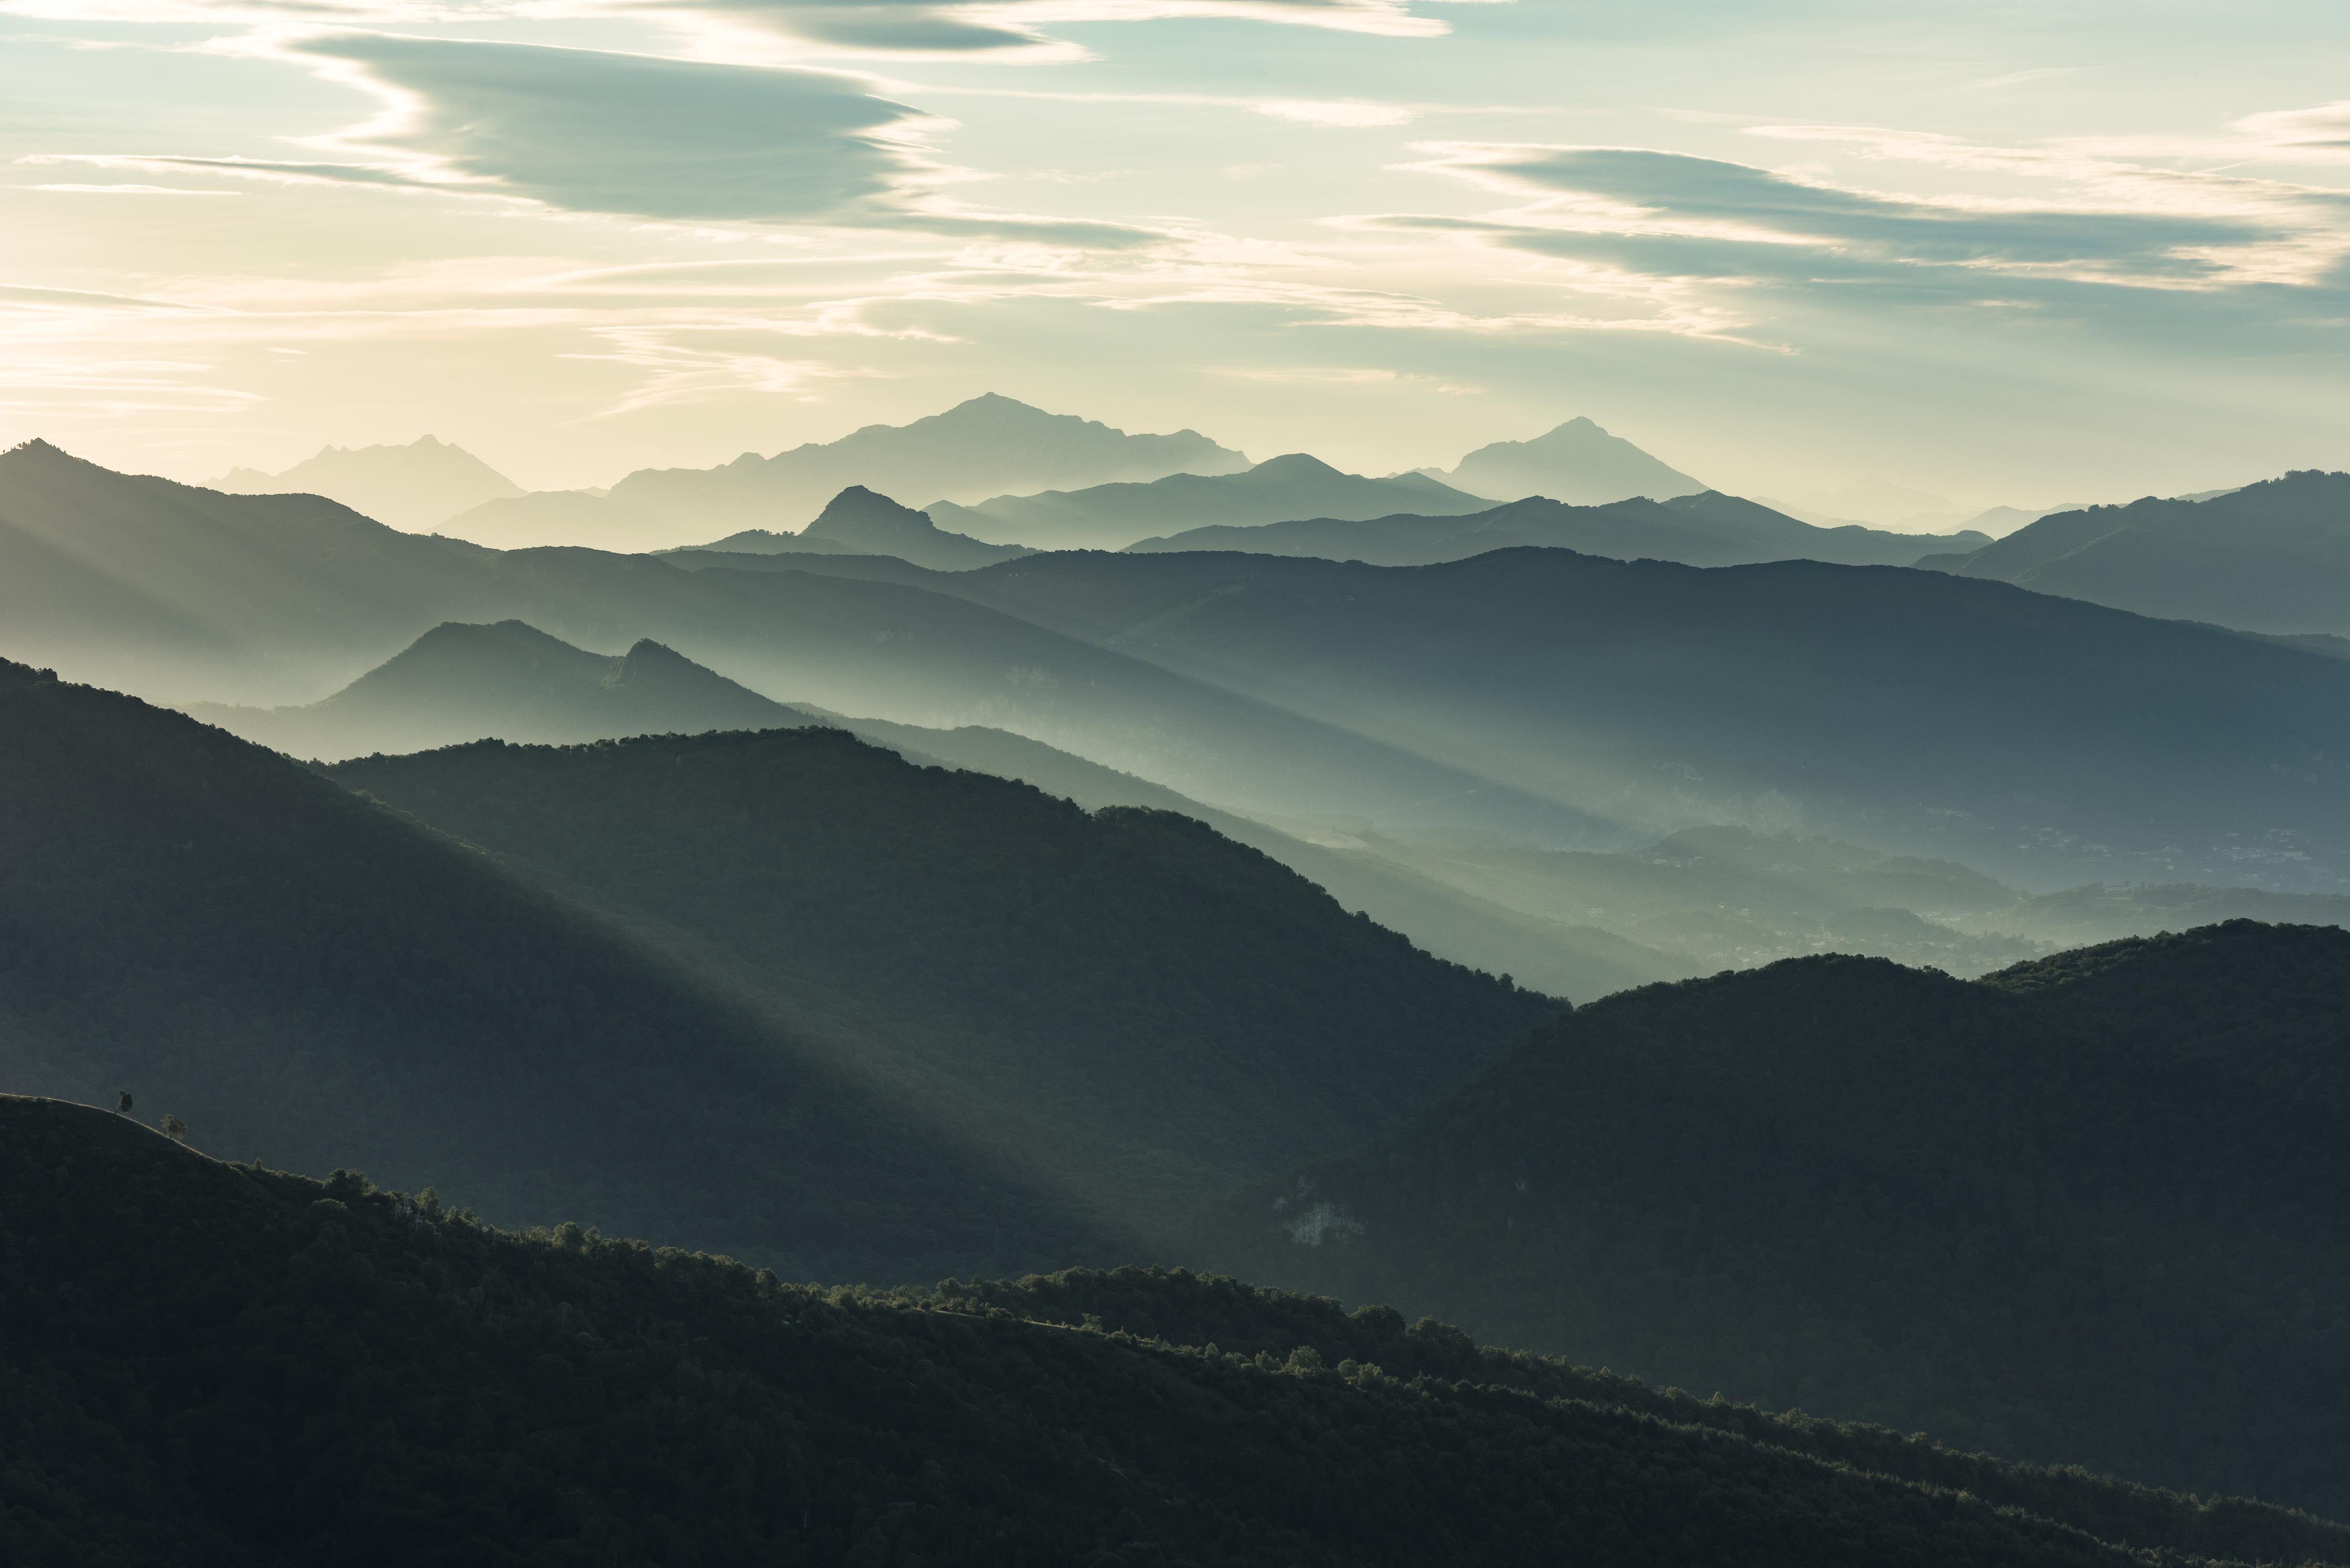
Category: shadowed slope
<point>285,1370</point>
<point>308,978</point>
<point>1173,1011</point>
<point>2089,1210</point>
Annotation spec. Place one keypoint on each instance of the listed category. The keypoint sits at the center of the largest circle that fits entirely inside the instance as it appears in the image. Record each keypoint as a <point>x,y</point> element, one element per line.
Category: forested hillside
<point>2089,1210</point>
<point>1158,1011</point>
<point>306,978</point>
<point>224,1367</point>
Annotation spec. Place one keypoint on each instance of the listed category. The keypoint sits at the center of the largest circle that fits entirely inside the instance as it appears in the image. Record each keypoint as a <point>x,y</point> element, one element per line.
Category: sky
<point>2022,255</point>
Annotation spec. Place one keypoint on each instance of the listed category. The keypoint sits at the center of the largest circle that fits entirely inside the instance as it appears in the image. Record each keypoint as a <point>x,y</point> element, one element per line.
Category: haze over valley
<point>1237,784</point>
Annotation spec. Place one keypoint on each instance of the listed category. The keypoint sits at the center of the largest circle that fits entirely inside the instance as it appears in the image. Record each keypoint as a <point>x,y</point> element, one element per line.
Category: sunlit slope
<point>322,1371</point>
<point>1155,1011</point>
<point>1707,529</point>
<point>182,593</point>
<point>307,978</point>
<point>2272,557</point>
<point>509,681</point>
<point>2041,740</point>
<point>2089,1209</point>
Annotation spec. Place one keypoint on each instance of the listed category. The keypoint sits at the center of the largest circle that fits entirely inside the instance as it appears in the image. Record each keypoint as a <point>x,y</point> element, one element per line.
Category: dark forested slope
<point>2090,1208</point>
<point>224,1367</point>
<point>306,978</point>
<point>1177,1012</point>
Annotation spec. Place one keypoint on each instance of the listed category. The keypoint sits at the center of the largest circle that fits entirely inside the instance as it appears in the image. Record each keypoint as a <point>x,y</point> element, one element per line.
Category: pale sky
<point>2000,253</point>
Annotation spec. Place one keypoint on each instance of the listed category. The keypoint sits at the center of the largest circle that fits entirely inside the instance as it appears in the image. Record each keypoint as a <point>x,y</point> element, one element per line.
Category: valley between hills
<point>1001,990</point>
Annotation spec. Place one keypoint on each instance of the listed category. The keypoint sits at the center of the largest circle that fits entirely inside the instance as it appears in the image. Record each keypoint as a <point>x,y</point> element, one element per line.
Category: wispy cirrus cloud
<point>643,136</point>
<point>2114,224</point>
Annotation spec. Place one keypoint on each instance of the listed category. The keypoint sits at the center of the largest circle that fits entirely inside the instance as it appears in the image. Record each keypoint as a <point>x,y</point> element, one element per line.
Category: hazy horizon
<point>2008,259</point>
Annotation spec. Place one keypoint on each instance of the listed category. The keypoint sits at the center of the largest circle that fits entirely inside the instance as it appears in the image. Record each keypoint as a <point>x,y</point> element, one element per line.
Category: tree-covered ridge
<point>306,976</point>
<point>226,1365</point>
<point>2089,1209</point>
<point>1182,1012</point>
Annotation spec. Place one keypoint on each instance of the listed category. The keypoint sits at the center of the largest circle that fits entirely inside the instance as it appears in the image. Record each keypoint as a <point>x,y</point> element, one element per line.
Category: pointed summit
<point>1578,463</point>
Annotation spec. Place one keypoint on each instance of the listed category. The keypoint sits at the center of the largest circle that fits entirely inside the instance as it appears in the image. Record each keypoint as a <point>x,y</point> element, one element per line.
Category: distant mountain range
<point>1541,695</point>
<point>1578,463</point>
<point>983,447</point>
<point>1577,923</point>
<point>1112,516</point>
<point>1706,529</point>
<point>2268,558</point>
<point>417,487</point>
<point>2086,1211</point>
<point>509,681</point>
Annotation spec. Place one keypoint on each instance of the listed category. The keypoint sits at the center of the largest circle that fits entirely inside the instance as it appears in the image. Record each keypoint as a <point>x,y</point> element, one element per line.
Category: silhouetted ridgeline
<point>1708,529</point>
<point>2089,1209</point>
<point>781,992</point>
<point>2038,739</point>
<point>226,1366</point>
<point>2270,557</point>
<point>308,978</point>
<point>1181,1013</point>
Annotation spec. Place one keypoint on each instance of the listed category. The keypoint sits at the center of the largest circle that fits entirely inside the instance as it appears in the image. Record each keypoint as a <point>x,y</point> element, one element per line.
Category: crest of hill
<point>1112,516</point>
<point>185,592</point>
<point>982,447</point>
<point>375,1379</point>
<point>1162,1012</point>
<point>511,682</point>
<point>858,521</point>
<point>1579,463</point>
<point>417,487</point>
<point>2271,557</point>
<point>2089,1210</point>
<point>1705,529</point>
<point>308,977</point>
